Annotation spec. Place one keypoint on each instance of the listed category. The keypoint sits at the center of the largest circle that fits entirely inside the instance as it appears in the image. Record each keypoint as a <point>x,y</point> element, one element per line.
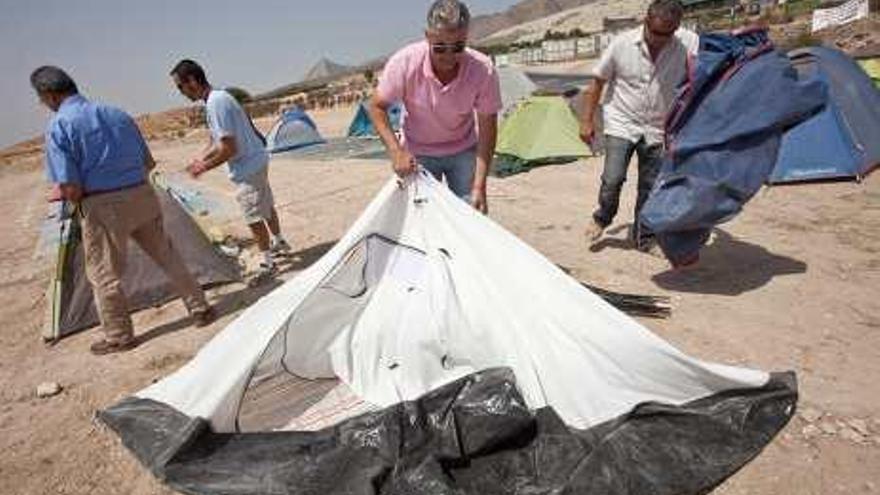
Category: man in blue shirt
<point>235,140</point>
<point>97,157</point>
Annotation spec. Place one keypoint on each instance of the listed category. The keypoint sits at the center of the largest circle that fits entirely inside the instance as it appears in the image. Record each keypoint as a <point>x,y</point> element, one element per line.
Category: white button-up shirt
<point>641,91</point>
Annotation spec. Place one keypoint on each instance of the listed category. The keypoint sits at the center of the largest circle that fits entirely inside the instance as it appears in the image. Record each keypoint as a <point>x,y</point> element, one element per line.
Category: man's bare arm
<point>592,95</point>
<point>402,161</point>
<point>488,132</point>
<point>378,111</point>
<point>217,154</point>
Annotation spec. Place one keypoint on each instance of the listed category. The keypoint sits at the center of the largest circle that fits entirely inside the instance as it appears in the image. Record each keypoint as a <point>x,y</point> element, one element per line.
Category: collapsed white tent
<point>423,299</point>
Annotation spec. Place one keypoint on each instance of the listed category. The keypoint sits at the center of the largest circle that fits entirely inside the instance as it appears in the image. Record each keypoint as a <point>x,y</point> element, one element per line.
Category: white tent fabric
<point>423,290</point>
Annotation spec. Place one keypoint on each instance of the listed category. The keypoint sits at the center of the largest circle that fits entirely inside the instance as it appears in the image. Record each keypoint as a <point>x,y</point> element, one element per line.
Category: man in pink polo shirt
<point>451,96</point>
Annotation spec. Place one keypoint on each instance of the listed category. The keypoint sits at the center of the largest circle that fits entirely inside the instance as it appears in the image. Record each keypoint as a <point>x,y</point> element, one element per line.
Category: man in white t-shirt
<point>642,68</point>
<point>236,141</point>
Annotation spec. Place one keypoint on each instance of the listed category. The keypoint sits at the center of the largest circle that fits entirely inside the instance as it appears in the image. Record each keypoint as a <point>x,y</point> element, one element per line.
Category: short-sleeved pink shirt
<point>439,120</point>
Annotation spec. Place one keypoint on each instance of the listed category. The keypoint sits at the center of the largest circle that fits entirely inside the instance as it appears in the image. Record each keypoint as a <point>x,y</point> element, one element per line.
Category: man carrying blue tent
<point>642,68</point>
<point>724,138</point>
<point>451,95</point>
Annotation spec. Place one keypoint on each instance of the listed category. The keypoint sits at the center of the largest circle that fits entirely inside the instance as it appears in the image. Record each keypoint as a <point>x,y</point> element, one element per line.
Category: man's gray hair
<point>448,14</point>
<point>50,79</point>
<point>670,10</point>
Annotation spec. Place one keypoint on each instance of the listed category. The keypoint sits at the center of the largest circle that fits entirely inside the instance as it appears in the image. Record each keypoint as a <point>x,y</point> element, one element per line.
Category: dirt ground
<point>790,284</point>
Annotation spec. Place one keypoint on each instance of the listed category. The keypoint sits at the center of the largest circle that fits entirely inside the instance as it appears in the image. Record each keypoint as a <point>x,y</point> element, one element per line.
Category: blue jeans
<point>618,153</point>
<point>458,169</point>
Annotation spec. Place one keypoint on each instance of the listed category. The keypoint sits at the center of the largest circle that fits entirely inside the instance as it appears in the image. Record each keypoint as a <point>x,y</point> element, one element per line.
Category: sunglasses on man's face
<point>441,48</point>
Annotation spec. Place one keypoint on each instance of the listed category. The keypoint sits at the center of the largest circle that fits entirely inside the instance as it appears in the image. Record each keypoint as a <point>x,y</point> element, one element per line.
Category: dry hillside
<point>586,17</point>
<point>522,12</point>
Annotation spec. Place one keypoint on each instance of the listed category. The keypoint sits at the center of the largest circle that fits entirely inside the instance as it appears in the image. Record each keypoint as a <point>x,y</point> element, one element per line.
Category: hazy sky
<point>120,51</point>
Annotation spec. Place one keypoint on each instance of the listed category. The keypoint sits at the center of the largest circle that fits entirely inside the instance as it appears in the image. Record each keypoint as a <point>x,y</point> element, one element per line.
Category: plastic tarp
<point>540,130</point>
<point>841,141</point>
<point>723,136</point>
<point>411,358</point>
<point>472,436</point>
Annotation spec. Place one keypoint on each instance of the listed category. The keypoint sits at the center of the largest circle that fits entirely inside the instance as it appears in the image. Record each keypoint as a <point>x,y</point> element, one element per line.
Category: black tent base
<point>507,165</point>
<point>472,436</point>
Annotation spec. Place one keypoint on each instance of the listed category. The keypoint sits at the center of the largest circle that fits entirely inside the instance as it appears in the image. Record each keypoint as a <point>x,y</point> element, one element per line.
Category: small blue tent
<point>295,129</point>
<point>362,126</point>
<point>841,141</point>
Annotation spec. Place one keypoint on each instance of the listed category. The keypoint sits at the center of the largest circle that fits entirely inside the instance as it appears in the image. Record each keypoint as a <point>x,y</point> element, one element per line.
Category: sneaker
<point>231,251</point>
<point>103,346</point>
<point>204,317</point>
<point>594,231</point>
<point>264,271</point>
<point>279,246</point>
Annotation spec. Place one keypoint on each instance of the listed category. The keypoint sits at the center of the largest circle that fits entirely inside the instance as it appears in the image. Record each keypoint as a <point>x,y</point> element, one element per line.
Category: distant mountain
<point>373,65</point>
<point>522,12</point>
<point>326,68</point>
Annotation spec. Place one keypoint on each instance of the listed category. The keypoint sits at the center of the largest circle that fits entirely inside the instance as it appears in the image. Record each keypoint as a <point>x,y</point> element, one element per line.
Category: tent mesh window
<point>276,397</point>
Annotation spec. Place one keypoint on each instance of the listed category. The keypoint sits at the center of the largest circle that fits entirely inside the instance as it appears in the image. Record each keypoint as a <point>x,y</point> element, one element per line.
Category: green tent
<point>872,67</point>
<point>541,130</point>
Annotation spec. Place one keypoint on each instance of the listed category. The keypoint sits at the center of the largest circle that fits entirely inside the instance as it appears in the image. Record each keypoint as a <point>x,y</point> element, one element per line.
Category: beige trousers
<point>109,220</point>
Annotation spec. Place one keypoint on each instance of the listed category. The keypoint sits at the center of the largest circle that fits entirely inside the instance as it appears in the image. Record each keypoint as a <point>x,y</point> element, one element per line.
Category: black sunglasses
<point>448,47</point>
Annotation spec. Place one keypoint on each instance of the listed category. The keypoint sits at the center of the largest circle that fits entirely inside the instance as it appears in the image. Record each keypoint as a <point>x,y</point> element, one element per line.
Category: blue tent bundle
<point>362,126</point>
<point>295,129</point>
<point>841,141</point>
<point>723,136</point>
